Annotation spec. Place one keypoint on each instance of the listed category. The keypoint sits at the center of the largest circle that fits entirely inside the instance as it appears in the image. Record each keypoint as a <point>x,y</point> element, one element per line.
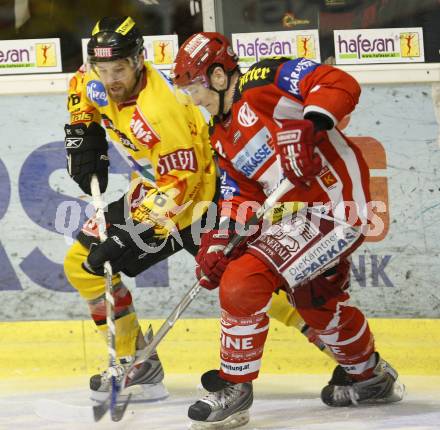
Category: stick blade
<point>101,409</point>
<point>119,410</point>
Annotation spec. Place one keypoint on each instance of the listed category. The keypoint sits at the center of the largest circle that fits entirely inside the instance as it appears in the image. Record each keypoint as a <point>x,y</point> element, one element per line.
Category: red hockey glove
<point>211,261</point>
<point>296,145</point>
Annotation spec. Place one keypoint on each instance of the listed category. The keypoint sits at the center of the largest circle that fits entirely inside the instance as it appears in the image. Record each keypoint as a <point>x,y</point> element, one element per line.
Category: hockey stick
<point>100,410</point>
<point>58,411</point>
<point>283,188</point>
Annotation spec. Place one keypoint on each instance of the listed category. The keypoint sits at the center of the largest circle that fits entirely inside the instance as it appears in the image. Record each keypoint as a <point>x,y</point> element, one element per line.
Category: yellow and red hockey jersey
<point>163,138</point>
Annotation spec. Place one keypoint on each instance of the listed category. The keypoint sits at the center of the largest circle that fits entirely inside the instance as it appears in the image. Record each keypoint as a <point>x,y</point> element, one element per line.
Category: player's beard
<point>122,91</point>
<point>119,93</point>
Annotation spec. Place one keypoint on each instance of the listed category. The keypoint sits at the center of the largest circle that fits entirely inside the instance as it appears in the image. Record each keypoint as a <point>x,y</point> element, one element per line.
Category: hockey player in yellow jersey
<point>166,143</point>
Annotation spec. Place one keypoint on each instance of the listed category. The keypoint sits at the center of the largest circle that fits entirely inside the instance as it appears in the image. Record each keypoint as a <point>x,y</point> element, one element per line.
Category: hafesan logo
<point>381,45</point>
<point>254,47</point>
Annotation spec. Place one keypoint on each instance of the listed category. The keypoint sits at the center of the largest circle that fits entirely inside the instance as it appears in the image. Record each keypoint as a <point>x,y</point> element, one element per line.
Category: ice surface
<point>282,402</point>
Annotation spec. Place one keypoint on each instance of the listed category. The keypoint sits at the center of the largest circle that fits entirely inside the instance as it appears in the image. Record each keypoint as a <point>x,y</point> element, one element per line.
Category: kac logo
<point>246,116</point>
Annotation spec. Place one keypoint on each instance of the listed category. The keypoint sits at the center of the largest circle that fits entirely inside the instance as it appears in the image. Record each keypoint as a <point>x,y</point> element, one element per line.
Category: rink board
<point>41,208</point>
<point>74,348</point>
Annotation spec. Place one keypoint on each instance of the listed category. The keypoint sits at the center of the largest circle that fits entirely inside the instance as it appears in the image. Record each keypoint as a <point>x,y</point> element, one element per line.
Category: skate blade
<point>139,393</point>
<point>398,393</point>
<point>235,420</point>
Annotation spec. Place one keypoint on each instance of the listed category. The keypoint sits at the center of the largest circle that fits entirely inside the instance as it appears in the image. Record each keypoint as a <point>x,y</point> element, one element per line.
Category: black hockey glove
<point>120,248</point>
<point>87,154</point>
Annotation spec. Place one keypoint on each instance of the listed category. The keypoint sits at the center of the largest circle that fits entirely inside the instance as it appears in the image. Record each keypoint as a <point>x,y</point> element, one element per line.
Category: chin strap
<point>221,104</point>
<point>221,93</point>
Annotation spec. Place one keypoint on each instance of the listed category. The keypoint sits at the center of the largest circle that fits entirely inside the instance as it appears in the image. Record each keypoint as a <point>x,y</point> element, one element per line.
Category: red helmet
<point>198,53</point>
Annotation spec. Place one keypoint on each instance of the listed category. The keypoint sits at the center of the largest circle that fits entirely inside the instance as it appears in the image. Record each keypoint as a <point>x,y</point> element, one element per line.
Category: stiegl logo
<point>103,52</point>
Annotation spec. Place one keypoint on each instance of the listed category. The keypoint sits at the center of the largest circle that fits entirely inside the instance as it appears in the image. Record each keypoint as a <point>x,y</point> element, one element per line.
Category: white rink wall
<point>394,277</point>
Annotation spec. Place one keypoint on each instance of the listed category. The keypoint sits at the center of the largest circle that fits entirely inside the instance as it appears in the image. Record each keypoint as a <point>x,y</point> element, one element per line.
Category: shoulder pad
<point>292,73</point>
<point>261,73</point>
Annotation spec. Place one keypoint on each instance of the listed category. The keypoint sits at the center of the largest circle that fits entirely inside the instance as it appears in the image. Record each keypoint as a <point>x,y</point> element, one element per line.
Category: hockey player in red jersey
<point>279,120</point>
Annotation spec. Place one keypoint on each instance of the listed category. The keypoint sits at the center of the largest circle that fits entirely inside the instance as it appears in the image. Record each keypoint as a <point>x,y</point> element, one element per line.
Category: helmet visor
<point>197,90</point>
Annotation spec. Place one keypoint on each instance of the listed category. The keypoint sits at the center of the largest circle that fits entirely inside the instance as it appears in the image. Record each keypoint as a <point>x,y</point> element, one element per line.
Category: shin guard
<point>127,325</point>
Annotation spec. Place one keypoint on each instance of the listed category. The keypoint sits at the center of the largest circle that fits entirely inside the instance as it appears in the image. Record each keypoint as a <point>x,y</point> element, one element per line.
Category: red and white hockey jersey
<point>274,90</point>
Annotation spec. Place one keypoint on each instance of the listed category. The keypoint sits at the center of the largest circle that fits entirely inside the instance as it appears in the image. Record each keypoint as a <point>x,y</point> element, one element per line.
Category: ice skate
<point>383,387</point>
<point>226,406</point>
<point>146,386</point>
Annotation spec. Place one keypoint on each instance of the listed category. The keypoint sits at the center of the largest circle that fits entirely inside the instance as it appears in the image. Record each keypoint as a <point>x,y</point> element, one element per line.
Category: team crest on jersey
<point>142,130</point>
<point>246,116</point>
<point>96,93</point>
